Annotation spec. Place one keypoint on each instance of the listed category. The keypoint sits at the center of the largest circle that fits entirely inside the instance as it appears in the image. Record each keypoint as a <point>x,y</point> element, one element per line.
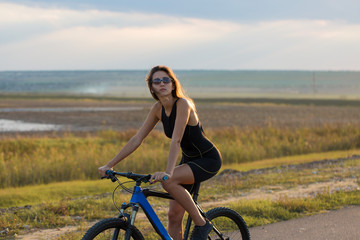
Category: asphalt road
<point>343,224</point>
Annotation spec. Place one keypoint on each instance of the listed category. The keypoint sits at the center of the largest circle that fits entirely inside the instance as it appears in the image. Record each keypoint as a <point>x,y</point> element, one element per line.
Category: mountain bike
<point>227,223</point>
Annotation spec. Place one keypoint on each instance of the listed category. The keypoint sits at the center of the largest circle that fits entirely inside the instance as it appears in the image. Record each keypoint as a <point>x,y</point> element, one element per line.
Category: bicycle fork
<point>129,218</point>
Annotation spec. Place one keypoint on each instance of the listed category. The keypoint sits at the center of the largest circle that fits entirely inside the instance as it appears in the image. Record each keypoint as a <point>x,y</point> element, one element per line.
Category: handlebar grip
<point>110,175</point>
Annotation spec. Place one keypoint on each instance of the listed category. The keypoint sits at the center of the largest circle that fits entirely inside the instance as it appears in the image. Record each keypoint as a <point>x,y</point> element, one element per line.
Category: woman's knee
<point>182,175</point>
<point>168,185</point>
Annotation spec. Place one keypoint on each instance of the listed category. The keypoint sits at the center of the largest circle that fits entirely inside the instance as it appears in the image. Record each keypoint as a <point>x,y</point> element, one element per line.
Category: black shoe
<point>201,232</point>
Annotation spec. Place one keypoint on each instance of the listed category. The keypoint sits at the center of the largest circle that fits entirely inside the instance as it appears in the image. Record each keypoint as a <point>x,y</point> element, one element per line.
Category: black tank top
<point>194,143</point>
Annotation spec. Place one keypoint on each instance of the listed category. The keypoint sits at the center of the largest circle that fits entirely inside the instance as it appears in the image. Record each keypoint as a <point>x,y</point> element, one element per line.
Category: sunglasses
<point>165,80</point>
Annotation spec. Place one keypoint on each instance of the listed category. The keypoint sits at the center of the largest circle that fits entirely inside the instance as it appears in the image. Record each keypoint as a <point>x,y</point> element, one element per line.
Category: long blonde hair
<point>178,91</point>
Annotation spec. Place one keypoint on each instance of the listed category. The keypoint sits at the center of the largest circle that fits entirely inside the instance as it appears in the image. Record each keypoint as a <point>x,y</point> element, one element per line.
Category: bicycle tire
<point>229,223</point>
<point>105,230</point>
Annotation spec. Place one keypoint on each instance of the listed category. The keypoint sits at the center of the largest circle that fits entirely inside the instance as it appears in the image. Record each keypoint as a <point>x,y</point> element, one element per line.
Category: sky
<point>188,34</point>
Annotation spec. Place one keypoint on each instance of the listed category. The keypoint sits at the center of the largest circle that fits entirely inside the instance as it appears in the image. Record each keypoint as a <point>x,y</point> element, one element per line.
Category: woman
<point>200,158</point>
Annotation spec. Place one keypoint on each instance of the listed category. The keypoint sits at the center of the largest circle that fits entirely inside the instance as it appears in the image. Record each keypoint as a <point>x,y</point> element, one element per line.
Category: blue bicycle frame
<point>138,197</point>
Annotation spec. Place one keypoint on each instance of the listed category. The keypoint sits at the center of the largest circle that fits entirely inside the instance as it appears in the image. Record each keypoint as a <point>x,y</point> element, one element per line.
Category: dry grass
<point>244,131</point>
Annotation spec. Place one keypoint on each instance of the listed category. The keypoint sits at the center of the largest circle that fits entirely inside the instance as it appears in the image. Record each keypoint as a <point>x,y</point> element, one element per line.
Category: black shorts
<point>203,168</point>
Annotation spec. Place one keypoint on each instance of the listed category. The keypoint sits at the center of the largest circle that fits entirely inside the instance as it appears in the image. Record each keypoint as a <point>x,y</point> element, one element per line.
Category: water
<point>8,125</point>
<point>198,83</point>
<point>21,126</point>
<point>70,109</point>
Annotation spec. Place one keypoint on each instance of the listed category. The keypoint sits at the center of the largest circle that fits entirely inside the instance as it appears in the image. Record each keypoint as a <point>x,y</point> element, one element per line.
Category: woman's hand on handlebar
<point>159,177</point>
<point>102,170</point>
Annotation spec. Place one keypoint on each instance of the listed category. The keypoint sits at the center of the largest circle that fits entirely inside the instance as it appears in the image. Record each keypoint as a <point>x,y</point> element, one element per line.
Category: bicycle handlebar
<point>136,177</point>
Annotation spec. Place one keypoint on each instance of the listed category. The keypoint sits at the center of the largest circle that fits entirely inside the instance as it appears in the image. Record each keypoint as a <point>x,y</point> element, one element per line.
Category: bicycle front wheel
<point>112,228</point>
<point>228,225</point>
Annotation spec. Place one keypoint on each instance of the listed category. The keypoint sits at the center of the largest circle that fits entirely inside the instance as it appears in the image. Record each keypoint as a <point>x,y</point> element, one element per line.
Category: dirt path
<point>301,191</point>
<point>343,224</point>
<point>47,234</point>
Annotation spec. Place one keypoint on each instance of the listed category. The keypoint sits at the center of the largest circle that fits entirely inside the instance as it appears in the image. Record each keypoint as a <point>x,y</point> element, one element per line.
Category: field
<point>283,158</point>
<point>214,113</point>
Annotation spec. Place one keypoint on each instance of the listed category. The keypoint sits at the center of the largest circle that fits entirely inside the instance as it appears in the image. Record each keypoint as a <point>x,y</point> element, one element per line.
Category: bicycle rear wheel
<point>229,224</point>
<point>112,228</point>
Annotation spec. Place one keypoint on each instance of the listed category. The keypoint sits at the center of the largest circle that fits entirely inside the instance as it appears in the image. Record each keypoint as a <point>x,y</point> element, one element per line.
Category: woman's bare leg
<point>176,215</point>
<point>183,175</point>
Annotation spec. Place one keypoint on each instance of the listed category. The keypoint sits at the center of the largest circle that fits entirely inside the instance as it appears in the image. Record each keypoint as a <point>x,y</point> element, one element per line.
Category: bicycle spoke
<point>112,228</point>
<point>228,225</point>
<point>227,229</point>
<point>110,234</point>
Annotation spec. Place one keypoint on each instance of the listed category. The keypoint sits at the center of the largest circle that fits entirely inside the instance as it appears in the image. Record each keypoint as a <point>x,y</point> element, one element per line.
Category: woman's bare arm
<point>182,117</point>
<point>148,125</point>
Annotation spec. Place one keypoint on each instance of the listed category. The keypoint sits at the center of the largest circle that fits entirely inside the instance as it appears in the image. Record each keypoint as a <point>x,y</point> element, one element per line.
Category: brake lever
<point>146,178</point>
<point>109,175</point>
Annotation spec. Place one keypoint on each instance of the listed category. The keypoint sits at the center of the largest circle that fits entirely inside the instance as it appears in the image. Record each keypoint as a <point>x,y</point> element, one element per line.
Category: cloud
<point>52,38</point>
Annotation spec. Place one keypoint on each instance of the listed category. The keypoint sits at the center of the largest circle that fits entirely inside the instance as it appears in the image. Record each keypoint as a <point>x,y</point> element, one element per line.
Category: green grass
<point>255,212</point>
<point>30,195</point>
<point>297,159</point>
<point>33,195</point>
<point>261,212</point>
